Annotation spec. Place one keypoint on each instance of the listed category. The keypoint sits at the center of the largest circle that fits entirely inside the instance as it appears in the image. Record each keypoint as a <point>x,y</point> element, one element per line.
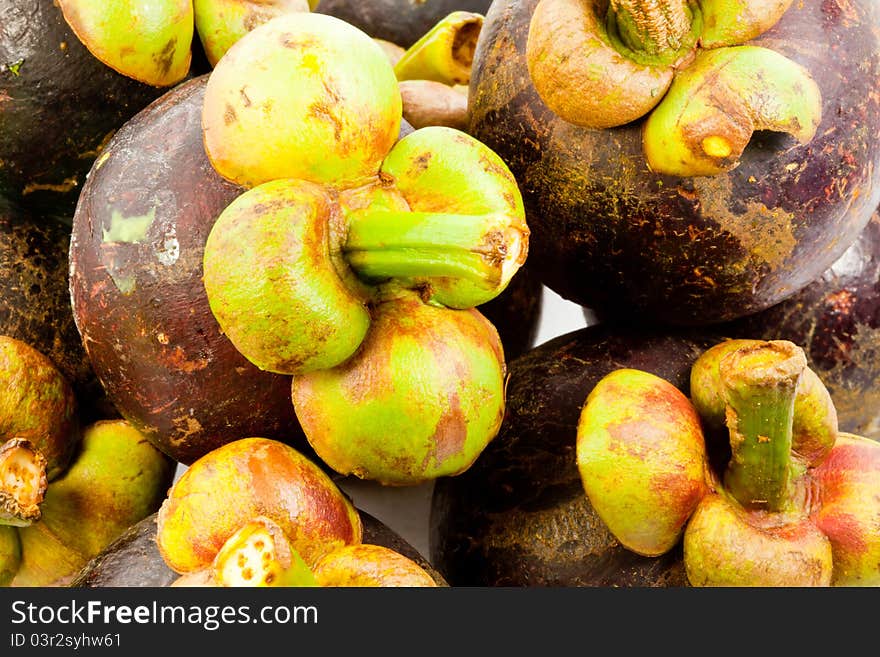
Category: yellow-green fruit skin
<point>850,513</point>
<point>250,477</point>
<point>37,404</point>
<point>148,40</point>
<point>642,459</point>
<point>446,171</point>
<point>272,286</point>
<point>117,479</point>
<point>420,399</point>
<point>303,96</point>
<point>370,565</point>
<point>10,554</point>
<point>726,546</point>
<point>220,23</point>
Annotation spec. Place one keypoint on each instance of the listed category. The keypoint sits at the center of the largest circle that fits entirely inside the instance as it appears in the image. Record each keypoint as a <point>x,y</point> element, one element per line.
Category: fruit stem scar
<point>23,482</point>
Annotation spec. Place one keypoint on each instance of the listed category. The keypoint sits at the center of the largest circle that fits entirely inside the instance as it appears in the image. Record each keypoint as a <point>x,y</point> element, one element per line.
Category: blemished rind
<point>725,546</point>
<point>850,481</point>
<point>642,459</point>
<point>370,565</point>
<point>220,23</point>
<point>420,399</point>
<point>243,479</point>
<point>37,404</point>
<point>701,249</point>
<point>148,41</point>
<point>444,170</point>
<point>139,302</point>
<point>271,283</point>
<point>304,96</point>
<point>35,298</point>
<point>534,526</point>
<point>116,479</point>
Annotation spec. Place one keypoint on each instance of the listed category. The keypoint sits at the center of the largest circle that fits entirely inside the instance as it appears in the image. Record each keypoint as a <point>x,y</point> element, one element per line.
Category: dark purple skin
<point>519,516</point>
<point>516,312</point>
<point>59,109</point>
<point>133,560</point>
<point>836,319</point>
<point>399,21</point>
<point>147,327</point>
<point>35,301</point>
<point>612,236</point>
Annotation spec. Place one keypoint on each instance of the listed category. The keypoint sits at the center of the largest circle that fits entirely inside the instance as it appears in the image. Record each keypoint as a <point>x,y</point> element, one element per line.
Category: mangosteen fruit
<point>138,298</point>
<point>686,162</point>
<point>519,515</point>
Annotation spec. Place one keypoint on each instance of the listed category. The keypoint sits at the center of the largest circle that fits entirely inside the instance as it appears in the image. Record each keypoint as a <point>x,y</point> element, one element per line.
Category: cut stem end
<point>23,482</point>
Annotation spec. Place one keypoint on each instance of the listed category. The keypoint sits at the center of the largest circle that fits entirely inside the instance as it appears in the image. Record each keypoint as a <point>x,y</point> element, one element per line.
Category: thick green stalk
<point>760,383</point>
<point>382,244</point>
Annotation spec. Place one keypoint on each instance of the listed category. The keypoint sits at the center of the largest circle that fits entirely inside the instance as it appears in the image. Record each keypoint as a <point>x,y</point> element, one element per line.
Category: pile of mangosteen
<point>251,249</point>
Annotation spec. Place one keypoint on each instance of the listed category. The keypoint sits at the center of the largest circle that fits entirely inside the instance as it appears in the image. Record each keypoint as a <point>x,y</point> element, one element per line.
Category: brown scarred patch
<point>420,163</point>
<point>165,58</point>
<point>229,116</point>
<point>450,435</point>
<point>846,533</point>
<point>178,361</point>
<point>766,234</point>
<point>636,438</point>
<point>323,111</point>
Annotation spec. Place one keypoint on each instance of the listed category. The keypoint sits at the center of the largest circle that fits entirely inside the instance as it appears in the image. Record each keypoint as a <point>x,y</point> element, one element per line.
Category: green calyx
<point>794,503</point>
<point>758,89</point>
<point>221,23</point>
<point>116,479</point>
<point>291,268</point>
<point>39,430</point>
<point>149,41</point>
<point>444,53</point>
<point>641,458</point>
<point>420,399</point>
<point>680,63</point>
<point>814,419</point>
<point>10,554</point>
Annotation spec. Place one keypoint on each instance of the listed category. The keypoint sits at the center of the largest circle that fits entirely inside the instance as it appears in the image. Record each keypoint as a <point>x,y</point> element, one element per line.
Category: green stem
<point>656,28</point>
<point>760,383</point>
<point>382,244</point>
